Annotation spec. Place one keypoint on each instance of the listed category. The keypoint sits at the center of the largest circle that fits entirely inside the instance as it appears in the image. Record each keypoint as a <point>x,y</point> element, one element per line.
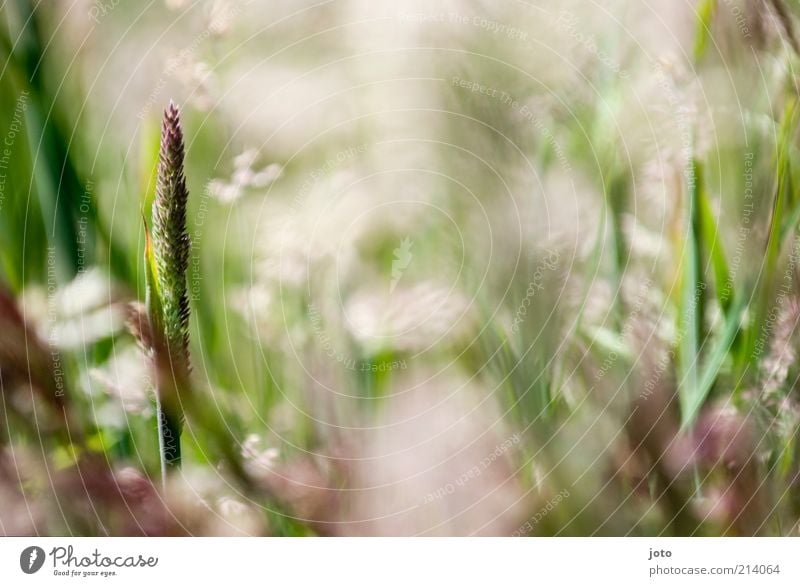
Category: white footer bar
<point>401,561</point>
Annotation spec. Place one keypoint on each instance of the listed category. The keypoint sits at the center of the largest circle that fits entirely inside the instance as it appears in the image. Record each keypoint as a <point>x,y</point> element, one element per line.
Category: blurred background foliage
<point>451,261</point>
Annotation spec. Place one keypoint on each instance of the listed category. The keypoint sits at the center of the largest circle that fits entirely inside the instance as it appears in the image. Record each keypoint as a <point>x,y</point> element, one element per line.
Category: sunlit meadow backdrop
<point>457,267</point>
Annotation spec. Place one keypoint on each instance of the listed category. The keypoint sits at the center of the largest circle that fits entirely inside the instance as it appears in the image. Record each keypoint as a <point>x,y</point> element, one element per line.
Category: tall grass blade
<point>691,300</point>
<point>705,15</point>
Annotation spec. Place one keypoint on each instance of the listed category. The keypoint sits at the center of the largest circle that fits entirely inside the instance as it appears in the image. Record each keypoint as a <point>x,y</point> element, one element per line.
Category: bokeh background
<point>458,267</point>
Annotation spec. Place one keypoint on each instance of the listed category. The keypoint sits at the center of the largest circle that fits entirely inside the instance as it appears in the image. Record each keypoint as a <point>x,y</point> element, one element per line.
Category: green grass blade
<point>169,420</point>
<point>712,245</point>
<point>690,314</point>
<point>754,342</point>
<point>705,14</point>
<point>692,404</point>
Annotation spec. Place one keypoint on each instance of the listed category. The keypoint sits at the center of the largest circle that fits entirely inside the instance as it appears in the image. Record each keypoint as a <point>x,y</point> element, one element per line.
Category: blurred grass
<point>545,371</point>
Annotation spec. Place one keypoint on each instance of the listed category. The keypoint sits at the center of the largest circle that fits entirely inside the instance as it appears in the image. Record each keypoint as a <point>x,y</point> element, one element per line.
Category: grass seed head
<point>171,242</point>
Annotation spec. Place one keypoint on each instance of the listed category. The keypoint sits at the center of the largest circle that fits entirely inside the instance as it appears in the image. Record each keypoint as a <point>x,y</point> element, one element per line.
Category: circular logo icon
<point>31,559</point>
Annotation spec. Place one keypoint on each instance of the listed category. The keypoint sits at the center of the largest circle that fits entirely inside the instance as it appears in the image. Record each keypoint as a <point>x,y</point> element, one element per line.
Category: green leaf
<point>692,402</point>
<point>609,341</point>
<point>153,300</point>
<point>712,245</point>
<point>705,14</point>
<point>690,314</point>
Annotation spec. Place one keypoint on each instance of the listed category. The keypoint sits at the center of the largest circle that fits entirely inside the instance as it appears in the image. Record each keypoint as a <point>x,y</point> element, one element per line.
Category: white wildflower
<point>126,377</point>
<point>244,177</point>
